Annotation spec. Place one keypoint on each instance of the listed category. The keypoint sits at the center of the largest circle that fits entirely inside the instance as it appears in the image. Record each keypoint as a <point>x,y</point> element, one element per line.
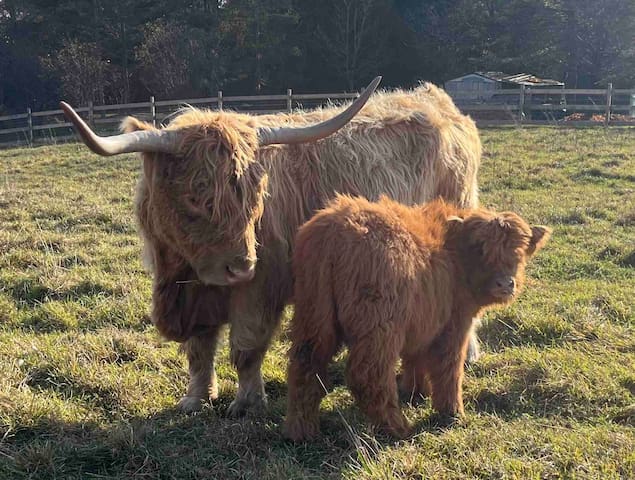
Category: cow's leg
<point>370,374</point>
<point>251,387</point>
<point>202,385</point>
<point>469,199</point>
<point>252,326</point>
<point>473,347</point>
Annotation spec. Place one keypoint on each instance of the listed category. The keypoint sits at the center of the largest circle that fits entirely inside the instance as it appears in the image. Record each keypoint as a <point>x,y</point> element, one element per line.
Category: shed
<point>482,86</point>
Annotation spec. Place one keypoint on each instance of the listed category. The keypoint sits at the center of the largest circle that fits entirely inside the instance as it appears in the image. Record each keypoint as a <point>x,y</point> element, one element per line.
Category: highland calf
<point>389,282</point>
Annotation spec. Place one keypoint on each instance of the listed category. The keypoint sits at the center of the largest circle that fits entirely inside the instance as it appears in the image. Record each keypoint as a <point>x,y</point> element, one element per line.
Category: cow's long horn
<point>139,141</point>
<point>270,135</point>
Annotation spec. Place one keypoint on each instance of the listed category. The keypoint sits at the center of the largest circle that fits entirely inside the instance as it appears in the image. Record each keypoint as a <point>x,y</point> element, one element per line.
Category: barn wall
<point>471,88</point>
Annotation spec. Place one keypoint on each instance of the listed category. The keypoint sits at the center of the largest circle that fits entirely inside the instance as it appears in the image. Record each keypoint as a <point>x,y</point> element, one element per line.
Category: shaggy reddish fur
<point>224,201</point>
<point>391,281</point>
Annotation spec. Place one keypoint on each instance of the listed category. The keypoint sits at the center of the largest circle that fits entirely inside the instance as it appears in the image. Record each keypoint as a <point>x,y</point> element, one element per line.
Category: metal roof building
<point>482,86</point>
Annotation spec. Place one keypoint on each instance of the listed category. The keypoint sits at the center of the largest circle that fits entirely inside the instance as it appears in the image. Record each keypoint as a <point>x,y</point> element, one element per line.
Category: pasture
<point>87,387</point>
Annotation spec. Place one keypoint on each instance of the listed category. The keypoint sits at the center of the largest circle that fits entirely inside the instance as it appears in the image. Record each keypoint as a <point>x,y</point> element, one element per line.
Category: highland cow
<point>390,281</point>
<point>222,190</point>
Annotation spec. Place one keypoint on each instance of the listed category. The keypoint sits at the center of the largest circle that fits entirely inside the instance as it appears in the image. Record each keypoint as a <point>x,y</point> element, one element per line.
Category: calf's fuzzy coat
<point>391,281</point>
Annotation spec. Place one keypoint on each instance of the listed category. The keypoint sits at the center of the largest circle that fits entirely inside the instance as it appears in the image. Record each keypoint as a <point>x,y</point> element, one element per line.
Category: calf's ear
<point>454,223</point>
<point>539,236</point>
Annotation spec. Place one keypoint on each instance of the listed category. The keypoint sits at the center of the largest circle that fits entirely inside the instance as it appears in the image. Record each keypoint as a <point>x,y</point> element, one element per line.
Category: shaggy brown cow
<point>216,194</point>
<point>391,281</point>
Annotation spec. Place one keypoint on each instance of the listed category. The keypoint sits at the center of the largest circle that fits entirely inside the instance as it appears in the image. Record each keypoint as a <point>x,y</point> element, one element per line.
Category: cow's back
<point>412,146</point>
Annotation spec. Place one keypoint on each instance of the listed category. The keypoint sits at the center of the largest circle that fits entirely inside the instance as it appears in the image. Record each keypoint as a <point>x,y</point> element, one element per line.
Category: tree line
<point>114,51</point>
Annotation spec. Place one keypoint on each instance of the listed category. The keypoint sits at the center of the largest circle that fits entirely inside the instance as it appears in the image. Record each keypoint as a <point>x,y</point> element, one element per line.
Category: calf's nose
<point>505,282</point>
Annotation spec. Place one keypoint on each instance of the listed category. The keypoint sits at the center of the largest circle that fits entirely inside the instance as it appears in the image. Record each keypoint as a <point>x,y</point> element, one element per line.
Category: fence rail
<point>523,106</point>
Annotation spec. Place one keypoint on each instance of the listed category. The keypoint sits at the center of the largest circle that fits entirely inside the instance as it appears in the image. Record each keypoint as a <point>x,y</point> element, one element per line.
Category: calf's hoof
<point>189,404</point>
<point>398,431</point>
<point>300,430</point>
<point>447,420</point>
<point>241,405</point>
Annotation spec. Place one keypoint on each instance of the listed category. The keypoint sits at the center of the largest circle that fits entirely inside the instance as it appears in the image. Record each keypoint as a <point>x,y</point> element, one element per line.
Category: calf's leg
<point>370,374</point>
<point>412,381</point>
<point>445,363</point>
<point>307,379</point>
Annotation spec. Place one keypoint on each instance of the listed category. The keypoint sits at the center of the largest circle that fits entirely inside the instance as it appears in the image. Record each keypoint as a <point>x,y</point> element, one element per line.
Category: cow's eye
<point>191,202</point>
<point>192,209</point>
<point>233,181</point>
<point>477,249</point>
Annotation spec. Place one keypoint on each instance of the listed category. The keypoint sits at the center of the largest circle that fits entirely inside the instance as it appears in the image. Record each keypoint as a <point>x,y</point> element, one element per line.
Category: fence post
<point>521,105</point>
<point>220,99</point>
<point>632,112</point>
<point>153,111</point>
<point>289,100</point>
<point>29,120</point>
<point>609,100</point>
<point>91,114</point>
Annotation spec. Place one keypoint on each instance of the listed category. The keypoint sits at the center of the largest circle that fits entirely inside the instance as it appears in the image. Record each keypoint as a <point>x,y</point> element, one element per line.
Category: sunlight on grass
<point>87,387</point>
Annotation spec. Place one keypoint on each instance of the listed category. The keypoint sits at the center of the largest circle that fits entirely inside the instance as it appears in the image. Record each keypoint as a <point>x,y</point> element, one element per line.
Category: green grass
<point>87,388</point>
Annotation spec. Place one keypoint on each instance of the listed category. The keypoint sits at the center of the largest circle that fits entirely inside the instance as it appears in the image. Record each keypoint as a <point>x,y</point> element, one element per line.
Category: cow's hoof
<point>240,406</point>
<point>190,404</point>
<point>473,351</point>
<point>399,431</point>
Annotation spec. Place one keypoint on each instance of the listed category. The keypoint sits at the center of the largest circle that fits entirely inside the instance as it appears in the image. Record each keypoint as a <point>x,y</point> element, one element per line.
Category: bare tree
<point>163,57</point>
<point>354,37</point>
<point>82,72</point>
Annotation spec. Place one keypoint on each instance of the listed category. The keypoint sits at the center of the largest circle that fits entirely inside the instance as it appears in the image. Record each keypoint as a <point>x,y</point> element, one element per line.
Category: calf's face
<point>494,249</point>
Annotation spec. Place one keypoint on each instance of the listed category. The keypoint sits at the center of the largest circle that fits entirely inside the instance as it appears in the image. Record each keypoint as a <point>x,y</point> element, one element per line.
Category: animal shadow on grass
<point>596,174</point>
<point>168,444</point>
<point>506,329</point>
<point>31,292</point>
<point>207,444</point>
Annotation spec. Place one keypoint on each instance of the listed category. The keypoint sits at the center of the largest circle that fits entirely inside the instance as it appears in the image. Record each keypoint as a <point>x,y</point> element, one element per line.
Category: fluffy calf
<point>391,281</point>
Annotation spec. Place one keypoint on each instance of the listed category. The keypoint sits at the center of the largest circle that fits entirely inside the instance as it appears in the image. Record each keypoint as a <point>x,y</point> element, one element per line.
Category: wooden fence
<point>553,106</point>
<point>524,106</point>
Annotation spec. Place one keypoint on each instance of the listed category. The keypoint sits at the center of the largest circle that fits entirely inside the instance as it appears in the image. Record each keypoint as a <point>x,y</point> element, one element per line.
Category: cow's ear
<point>132,124</point>
<point>539,237</point>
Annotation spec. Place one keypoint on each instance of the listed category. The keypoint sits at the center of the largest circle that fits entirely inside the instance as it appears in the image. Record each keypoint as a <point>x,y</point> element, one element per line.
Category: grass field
<point>87,387</point>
